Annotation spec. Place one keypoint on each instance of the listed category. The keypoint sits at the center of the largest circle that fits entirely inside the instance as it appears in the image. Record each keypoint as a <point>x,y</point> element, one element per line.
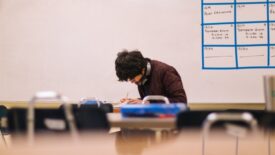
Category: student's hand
<point>132,101</point>
<point>124,100</point>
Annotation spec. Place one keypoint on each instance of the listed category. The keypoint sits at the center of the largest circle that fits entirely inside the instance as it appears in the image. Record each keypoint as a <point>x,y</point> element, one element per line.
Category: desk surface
<point>116,120</point>
<point>141,144</point>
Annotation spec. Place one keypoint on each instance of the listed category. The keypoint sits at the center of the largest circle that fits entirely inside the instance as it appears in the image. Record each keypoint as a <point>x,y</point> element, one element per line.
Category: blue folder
<point>152,110</point>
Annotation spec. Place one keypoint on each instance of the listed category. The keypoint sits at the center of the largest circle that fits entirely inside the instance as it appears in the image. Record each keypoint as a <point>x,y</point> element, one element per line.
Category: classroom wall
<point>71,46</point>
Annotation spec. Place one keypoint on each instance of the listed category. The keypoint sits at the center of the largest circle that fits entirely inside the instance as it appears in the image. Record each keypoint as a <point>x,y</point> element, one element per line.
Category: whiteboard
<point>71,46</point>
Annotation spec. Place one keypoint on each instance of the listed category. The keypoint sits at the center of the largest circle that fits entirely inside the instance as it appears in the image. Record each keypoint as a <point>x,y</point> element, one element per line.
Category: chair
<point>42,120</point>
<point>267,124</point>
<point>106,107</point>
<point>90,118</point>
<point>17,120</point>
<point>195,119</point>
<point>244,119</point>
<point>267,121</point>
<point>93,102</point>
<point>191,119</point>
<point>3,128</point>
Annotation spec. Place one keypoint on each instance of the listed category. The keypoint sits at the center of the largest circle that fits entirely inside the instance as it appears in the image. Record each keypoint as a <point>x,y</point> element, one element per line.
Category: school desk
<point>187,142</point>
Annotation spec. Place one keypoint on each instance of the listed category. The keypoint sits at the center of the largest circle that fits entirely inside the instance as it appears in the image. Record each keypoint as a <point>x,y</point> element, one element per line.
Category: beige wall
<point>70,47</point>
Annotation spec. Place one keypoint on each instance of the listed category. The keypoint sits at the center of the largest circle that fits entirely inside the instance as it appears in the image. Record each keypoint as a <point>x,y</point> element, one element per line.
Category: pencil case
<point>152,110</point>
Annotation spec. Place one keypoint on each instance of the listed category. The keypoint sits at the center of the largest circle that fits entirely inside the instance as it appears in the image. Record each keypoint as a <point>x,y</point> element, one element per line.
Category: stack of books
<point>269,91</point>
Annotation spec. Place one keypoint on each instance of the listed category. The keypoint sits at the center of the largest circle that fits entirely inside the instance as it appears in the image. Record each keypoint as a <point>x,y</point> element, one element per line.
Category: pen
<point>127,95</point>
<point>126,98</point>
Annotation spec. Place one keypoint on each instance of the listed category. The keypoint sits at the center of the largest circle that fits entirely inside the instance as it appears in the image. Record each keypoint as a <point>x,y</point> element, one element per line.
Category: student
<point>151,76</point>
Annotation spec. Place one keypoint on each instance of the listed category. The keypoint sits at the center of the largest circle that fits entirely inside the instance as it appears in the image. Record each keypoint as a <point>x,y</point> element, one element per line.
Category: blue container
<point>152,110</point>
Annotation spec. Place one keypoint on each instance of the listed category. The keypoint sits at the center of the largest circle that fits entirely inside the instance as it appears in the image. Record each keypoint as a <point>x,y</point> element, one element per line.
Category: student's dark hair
<point>129,64</point>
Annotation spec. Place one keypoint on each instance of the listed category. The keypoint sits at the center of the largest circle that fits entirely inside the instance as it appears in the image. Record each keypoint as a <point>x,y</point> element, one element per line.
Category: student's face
<point>137,79</point>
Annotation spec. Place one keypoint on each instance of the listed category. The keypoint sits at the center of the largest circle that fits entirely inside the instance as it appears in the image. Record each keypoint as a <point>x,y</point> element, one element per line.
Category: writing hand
<point>130,101</point>
<point>134,101</point>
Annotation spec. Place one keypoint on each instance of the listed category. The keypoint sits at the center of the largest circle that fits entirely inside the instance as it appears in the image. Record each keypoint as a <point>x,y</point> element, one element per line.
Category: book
<point>269,92</point>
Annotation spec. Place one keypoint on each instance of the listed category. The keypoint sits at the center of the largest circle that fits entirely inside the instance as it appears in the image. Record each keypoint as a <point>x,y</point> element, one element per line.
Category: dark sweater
<point>163,80</point>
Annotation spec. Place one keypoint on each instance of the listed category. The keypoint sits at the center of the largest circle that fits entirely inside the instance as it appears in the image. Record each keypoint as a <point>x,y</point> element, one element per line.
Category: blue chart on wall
<point>238,34</point>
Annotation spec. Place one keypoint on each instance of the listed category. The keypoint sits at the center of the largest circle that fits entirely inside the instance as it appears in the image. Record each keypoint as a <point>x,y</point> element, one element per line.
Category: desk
<point>188,142</point>
<point>116,120</point>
